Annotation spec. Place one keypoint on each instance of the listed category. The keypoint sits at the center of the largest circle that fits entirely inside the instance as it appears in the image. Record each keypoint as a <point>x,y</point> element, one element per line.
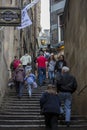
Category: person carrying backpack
<point>19,75</point>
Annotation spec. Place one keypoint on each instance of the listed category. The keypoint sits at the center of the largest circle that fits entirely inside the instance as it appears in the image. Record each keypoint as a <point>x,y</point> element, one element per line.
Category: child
<point>31,83</point>
<point>50,104</point>
<point>28,67</point>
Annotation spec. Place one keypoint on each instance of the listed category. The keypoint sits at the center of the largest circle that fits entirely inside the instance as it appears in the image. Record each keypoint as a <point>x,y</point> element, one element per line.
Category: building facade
<point>44,39</point>
<point>56,21</point>
<point>31,33</point>
<point>16,42</point>
<point>9,44</point>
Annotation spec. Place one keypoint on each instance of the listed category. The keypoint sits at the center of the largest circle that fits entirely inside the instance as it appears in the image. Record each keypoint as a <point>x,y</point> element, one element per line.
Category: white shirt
<point>25,59</point>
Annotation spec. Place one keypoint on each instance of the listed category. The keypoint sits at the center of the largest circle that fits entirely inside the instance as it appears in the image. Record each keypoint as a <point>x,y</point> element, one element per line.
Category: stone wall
<point>8,39</point>
<point>76,49</point>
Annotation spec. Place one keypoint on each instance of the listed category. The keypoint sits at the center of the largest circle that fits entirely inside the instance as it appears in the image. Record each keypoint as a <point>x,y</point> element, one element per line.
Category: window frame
<point>60,28</point>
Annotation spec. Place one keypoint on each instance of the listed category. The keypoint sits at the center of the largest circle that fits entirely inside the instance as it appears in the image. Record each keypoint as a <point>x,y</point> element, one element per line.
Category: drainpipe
<point>21,32</point>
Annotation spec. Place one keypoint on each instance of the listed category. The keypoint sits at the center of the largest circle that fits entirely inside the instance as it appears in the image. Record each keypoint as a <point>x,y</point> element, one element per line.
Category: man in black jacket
<point>66,85</point>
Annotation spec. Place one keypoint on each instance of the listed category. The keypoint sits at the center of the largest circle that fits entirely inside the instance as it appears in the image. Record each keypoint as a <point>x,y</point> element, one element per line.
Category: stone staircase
<point>24,113</point>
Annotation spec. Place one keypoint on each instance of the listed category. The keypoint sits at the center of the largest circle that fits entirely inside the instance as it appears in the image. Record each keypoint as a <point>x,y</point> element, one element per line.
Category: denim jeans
<point>51,77</point>
<point>19,88</point>
<point>29,88</point>
<point>41,75</point>
<point>66,99</point>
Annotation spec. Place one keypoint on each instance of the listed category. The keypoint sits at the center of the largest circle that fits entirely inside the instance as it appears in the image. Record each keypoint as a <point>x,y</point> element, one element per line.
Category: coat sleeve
<point>43,99</point>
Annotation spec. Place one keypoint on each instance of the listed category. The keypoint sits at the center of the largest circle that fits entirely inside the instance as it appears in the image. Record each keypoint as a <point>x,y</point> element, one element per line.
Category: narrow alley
<point>52,35</point>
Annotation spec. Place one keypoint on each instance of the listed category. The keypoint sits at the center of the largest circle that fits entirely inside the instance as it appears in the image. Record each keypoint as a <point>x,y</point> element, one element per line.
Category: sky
<point>45,15</point>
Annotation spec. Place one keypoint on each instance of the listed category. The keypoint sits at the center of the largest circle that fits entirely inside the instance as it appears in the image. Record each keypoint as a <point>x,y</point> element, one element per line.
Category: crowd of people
<point>61,84</point>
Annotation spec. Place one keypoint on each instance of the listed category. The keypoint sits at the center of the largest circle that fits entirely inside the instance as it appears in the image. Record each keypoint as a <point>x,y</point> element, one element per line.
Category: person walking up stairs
<point>24,113</point>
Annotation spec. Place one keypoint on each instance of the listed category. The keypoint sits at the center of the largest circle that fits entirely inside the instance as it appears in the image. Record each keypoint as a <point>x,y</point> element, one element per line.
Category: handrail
<point>82,90</point>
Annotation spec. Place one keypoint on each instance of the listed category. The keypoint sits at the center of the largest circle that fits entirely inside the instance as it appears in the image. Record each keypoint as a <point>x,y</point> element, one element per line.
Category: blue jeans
<point>29,90</point>
<point>66,99</point>
<point>41,75</point>
<point>19,88</point>
<point>51,76</point>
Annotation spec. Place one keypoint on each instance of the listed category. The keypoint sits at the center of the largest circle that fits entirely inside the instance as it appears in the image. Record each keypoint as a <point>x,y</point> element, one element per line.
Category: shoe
<point>62,122</point>
<point>67,123</point>
<point>62,116</point>
<point>39,85</point>
<point>29,95</point>
<point>19,97</point>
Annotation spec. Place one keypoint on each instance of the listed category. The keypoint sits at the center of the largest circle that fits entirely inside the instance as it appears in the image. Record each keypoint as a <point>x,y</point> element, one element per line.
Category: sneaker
<point>29,95</point>
<point>19,97</point>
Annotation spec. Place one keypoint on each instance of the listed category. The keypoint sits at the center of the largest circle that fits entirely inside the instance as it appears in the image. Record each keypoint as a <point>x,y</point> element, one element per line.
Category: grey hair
<point>65,69</point>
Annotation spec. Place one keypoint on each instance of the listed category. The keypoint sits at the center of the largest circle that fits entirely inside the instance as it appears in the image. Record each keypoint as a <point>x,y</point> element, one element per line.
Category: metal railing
<point>81,90</point>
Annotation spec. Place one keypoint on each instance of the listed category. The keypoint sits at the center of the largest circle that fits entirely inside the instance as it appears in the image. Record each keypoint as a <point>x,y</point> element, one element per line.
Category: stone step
<point>18,105</point>
<point>42,128</point>
<point>84,127</point>
<point>21,113</point>
<point>22,102</point>
<point>22,122</point>
<point>37,91</point>
<point>21,110</point>
<point>24,113</point>
<point>23,107</point>
<point>37,121</point>
<point>20,117</point>
<point>23,99</point>
<point>25,94</point>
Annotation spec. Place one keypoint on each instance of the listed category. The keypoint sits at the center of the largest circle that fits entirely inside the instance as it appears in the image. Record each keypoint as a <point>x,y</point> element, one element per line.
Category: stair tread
<point>25,112</point>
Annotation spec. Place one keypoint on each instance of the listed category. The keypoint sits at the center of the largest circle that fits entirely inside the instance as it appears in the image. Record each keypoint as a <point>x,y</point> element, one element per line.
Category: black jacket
<point>60,64</point>
<point>66,83</point>
<point>50,103</point>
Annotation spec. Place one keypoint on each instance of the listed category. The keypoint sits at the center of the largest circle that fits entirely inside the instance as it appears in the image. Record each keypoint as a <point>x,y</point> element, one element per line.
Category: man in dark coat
<point>66,85</point>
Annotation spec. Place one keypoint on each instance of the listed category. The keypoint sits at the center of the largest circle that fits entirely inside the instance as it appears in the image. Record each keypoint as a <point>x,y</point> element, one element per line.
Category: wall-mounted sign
<point>10,16</point>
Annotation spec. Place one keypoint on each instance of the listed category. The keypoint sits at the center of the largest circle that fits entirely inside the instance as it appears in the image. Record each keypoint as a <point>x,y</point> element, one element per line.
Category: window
<point>10,1</point>
<point>60,28</point>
